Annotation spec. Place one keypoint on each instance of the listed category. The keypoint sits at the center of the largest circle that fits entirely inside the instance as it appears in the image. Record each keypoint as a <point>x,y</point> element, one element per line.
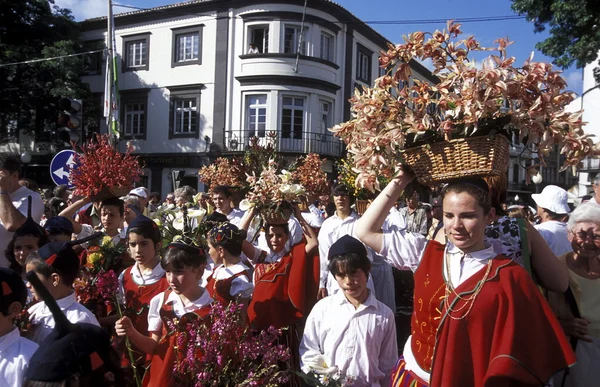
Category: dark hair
<point>18,294</point>
<point>54,206</point>
<point>41,267</point>
<point>146,230</point>
<point>233,245</point>
<point>225,190</point>
<point>497,186</point>
<point>10,254</point>
<point>340,190</point>
<point>114,201</point>
<point>216,217</point>
<point>586,197</point>
<point>180,258</point>
<point>28,183</point>
<point>475,187</point>
<point>11,164</point>
<point>555,216</point>
<point>284,227</point>
<point>60,190</point>
<point>349,263</point>
<point>154,195</point>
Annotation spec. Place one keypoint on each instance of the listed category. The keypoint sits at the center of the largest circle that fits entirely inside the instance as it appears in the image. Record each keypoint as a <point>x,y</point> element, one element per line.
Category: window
<point>136,51</point>
<point>92,63</point>
<point>292,117</point>
<point>187,46</point>
<point>326,116</point>
<point>327,47</point>
<point>134,113</point>
<point>259,36</point>
<point>291,40</point>
<point>184,120</point>
<point>363,64</point>
<point>516,173</point>
<point>256,115</point>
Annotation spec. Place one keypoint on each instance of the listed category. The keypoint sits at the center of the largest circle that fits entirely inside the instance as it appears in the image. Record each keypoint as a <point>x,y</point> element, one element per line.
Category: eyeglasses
<point>582,236</point>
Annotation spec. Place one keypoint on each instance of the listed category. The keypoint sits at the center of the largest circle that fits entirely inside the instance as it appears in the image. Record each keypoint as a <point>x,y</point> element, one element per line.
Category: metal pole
<point>300,40</point>
<point>109,70</point>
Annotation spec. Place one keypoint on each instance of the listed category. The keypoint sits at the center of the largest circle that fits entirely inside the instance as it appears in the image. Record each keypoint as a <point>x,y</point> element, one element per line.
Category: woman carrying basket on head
<point>478,318</point>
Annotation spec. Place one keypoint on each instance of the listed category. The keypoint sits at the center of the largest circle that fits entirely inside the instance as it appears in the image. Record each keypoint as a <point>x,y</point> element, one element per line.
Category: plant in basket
<point>102,171</point>
<point>228,172</point>
<point>220,350</point>
<point>177,222</point>
<point>452,128</point>
<point>259,153</point>
<point>308,172</point>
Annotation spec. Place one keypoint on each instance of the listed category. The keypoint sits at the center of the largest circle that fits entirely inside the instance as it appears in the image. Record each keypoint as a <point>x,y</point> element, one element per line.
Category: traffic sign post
<point>61,166</point>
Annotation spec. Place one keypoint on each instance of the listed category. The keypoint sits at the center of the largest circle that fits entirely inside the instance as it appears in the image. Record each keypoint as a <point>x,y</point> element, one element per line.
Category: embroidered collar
<point>481,255</point>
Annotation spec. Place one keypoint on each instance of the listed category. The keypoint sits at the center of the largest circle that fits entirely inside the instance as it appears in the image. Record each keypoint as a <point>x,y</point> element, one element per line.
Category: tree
<point>574,29</point>
<point>34,29</point>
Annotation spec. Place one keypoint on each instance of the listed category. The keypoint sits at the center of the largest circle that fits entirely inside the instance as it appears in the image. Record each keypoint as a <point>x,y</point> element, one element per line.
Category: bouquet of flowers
<point>229,172</point>
<point>220,350</point>
<point>23,322</point>
<point>271,191</point>
<point>103,171</point>
<point>258,155</point>
<point>177,222</point>
<point>399,112</point>
<point>322,374</point>
<point>309,174</point>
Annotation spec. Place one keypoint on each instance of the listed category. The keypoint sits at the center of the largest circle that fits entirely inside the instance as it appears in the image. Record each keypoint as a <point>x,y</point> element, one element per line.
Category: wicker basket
<point>464,157</point>
<point>107,192</point>
<point>361,206</point>
<point>275,217</point>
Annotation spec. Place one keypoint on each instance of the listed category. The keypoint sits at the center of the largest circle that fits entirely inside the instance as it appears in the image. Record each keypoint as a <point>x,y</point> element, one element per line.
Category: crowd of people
<point>502,296</point>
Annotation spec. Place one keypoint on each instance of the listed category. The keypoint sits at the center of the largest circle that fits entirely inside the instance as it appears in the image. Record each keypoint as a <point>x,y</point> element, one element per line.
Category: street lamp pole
<point>25,160</point>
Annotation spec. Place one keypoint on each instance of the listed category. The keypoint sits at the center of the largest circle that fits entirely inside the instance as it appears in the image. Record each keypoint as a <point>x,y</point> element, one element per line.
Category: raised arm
<point>70,211</point>
<point>247,218</point>
<point>368,227</point>
<point>552,274</point>
<point>309,233</point>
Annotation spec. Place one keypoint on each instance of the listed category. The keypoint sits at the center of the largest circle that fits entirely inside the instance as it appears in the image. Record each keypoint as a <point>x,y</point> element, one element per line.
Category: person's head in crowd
<point>225,242</point>
<point>516,212</point>
<point>57,266</point>
<point>54,206</point>
<point>467,211</point>
<point>170,198</point>
<point>142,194</point>
<point>133,201</point>
<point>277,236</point>
<point>412,198</point>
<point>112,214</point>
<point>184,195</point>
<point>185,266</point>
<point>204,200</point>
<point>47,194</point>
<point>221,198</point>
<point>428,212</point>
<point>584,231</point>
<point>28,183</point>
<point>497,186</point>
<point>144,240</point>
<point>26,239</point>
<point>436,208</point>
<point>13,297</point>
<point>154,199</point>
<point>596,188</point>
<point>342,198</point>
<point>350,266</point>
<point>10,167</point>
<point>59,229</point>
<point>552,204</point>
<point>62,191</point>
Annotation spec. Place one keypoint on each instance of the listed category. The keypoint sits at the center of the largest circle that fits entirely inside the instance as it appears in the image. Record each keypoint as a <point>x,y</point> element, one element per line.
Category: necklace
<point>468,301</point>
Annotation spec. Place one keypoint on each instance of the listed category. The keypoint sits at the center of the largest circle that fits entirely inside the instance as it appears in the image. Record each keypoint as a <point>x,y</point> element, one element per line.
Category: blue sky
<point>520,31</point>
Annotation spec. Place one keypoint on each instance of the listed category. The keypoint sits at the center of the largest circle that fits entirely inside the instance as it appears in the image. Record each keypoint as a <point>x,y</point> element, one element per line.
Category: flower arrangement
<point>177,222</point>
<point>220,350</point>
<point>257,156</point>
<point>309,174</point>
<point>23,322</point>
<point>229,172</point>
<point>399,112</point>
<point>104,171</point>
<point>322,374</point>
<point>269,191</point>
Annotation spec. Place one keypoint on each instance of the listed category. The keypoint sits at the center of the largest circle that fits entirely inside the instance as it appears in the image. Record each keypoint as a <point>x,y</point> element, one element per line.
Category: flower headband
<point>225,231</point>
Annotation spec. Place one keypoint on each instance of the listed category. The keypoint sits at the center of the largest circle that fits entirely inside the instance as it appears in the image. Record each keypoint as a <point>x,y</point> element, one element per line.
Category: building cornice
<point>286,80</point>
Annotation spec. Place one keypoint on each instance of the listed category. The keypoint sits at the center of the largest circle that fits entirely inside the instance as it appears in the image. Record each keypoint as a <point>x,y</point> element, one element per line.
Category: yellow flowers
<point>94,258</point>
<point>107,241</point>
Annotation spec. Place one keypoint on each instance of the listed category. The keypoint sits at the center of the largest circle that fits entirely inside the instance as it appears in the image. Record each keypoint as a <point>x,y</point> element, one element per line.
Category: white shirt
<point>235,216</point>
<point>241,285</point>
<point>556,235</point>
<point>15,352</point>
<point>314,217</point>
<point>87,230</point>
<point>141,278</point>
<point>43,321</point>
<point>19,201</point>
<point>361,342</point>
<point>154,320</point>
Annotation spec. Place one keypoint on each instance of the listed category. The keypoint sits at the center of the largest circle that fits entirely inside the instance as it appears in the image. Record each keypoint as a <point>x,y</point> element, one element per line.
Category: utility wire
<point>48,59</point>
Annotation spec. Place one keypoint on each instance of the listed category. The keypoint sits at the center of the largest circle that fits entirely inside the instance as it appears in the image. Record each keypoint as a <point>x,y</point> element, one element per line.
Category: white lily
<point>178,224</point>
<point>297,189</point>
<point>285,188</point>
<point>245,205</point>
<point>285,176</point>
<point>320,365</point>
<point>198,214</point>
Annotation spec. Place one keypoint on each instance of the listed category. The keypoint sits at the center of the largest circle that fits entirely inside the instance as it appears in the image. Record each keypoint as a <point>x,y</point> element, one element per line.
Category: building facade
<point>198,79</point>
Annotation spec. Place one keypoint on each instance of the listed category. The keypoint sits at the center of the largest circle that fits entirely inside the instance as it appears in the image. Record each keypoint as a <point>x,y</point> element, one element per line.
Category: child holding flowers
<point>184,265</point>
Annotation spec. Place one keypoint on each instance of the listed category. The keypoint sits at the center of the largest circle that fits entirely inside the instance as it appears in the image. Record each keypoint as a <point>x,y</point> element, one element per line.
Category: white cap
<point>552,198</point>
<point>139,191</point>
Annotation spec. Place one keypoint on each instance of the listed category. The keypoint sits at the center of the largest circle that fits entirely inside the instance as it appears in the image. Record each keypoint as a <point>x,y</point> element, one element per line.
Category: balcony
<point>324,144</point>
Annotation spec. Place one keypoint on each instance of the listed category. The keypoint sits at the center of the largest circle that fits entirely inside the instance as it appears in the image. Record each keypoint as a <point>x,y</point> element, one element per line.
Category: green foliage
<point>574,28</point>
<point>34,29</point>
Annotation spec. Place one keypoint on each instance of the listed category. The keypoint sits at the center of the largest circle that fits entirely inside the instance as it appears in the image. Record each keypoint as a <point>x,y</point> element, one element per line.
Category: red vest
<point>220,290</point>
<point>160,373</point>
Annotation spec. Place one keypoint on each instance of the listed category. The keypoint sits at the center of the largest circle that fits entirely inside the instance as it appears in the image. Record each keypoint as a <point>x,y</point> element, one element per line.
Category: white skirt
<point>586,372</point>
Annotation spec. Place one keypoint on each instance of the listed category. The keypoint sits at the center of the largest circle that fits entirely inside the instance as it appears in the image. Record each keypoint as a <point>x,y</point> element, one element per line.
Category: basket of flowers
<point>102,171</point>
<point>459,126</point>
<point>308,172</point>
<point>228,172</point>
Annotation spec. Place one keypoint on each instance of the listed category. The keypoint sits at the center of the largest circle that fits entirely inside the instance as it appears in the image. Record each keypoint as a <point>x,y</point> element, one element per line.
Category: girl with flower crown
<point>479,319</point>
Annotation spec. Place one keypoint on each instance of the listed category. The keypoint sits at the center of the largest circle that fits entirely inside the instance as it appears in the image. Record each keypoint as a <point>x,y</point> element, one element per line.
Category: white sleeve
<point>37,210</point>
<point>154,320</point>
<point>82,315</point>
<point>403,250</point>
<point>324,246</point>
<point>310,346</point>
<point>121,291</point>
<point>242,287</point>
<point>295,230</point>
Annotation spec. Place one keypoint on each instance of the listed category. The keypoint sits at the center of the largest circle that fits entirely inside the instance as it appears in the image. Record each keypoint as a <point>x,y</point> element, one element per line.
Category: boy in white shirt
<point>56,265</point>
<point>15,351</point>
<point>360,339</point>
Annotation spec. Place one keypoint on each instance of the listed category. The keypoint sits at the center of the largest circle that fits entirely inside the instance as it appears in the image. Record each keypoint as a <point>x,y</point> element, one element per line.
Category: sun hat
<point>139,191</point>
<point>552,198</point>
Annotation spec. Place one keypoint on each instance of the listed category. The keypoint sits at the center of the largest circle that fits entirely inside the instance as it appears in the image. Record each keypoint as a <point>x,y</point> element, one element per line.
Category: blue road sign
<point>61,166</point>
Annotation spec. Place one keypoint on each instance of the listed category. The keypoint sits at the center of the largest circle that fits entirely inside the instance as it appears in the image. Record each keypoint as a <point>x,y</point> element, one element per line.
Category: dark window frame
<point>179,93</point>
<point>94,61</point>
<point>130,97</point>
<point>176,32</point>
<point>360,49</point>
<point>125,52</point>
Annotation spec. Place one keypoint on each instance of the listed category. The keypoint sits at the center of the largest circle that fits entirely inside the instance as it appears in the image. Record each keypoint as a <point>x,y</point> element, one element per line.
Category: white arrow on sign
<point>61,173</point>
<point>70,161</point>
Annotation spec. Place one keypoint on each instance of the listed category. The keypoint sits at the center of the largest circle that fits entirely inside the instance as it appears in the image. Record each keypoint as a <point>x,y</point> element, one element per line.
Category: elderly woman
<point>184,195</point>
<point>581,319</point>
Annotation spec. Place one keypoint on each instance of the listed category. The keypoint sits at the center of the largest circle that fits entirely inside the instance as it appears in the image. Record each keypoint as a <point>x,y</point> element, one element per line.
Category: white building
<point>191,90</point>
